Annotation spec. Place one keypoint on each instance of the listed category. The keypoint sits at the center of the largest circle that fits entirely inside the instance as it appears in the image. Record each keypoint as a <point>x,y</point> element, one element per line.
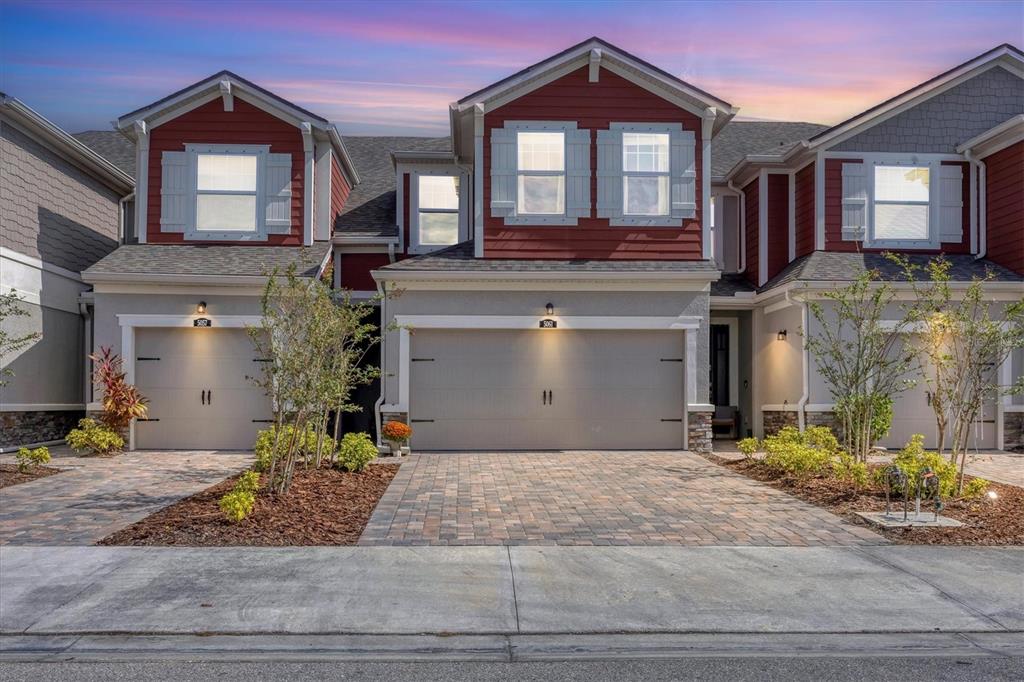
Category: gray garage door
<point>546,389</point>
<point>199,396</point>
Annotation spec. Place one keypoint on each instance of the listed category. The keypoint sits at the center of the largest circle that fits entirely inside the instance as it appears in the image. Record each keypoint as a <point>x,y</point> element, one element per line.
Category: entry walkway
<point>594,498</point>
<point>96,496</point>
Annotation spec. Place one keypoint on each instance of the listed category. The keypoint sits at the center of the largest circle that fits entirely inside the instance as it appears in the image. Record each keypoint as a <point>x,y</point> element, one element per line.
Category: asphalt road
<point>734,669</point>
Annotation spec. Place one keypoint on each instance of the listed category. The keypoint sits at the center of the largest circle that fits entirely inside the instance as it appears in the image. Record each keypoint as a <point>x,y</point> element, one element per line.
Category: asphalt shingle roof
<point>112,146</point>
<point>196,259</point>
<point>831,266</point>
<point>740,138</point>
<point>370,209</point>
<point>459,258</point>
<point>731,284</point>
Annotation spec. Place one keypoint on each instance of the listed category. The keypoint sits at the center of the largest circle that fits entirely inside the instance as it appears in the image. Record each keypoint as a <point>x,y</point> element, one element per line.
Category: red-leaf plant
<point>122,402</point>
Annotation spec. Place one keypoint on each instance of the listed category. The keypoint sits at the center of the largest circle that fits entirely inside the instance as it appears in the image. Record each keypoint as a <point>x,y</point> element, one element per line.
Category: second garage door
<point>546,389</point>
<point>199,395</point>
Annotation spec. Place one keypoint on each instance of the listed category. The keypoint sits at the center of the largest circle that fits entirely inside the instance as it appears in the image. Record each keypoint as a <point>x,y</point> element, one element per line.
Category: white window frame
<point>260,152</point>
<point>667,174</point>
<point>631,220</point>
<point>415,246</point>
<point>932,163</point>
<point>543,218</point>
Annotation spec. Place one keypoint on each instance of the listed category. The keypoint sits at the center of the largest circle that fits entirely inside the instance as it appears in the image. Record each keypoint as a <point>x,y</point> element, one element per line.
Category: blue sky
<point>392,68</point>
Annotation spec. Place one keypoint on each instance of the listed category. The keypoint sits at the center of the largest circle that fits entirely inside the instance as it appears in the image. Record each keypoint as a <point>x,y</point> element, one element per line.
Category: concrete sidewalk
<point>509,590</point>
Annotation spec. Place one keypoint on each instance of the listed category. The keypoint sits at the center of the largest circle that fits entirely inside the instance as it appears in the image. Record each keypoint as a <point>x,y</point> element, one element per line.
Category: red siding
<point>778,223</point>
<point>209,123</point>
<point>339,191</point>
<point>356,267</point>
<point>751,212</point>
<point>1004,196</point>
<point>834,212</point>
<point>804,210</point>
<point>593,106</point>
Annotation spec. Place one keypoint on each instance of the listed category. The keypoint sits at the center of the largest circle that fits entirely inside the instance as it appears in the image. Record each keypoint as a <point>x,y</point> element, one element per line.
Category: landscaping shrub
<point>122,402</point>
<point>29,459</point>
<point>239,503</point>
<point>913,458</point>
<point>847,468</point>
<point>748,446</point>
<point>795,453</point>
<point>306,446</point>
<point>975,488</point>
<point>356,451</point>
<point>93,437</point>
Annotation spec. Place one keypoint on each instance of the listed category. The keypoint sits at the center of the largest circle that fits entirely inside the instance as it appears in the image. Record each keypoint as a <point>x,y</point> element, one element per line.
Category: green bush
<point>237,504</point>
<point>356,451</point>
<point>975,488</point>
<point>748,446</point>
<point>93,437</point>
<point>306,447</point>
<point>248,482</point>
<point>847,468</point>
<point>29,459</point>
<point>795,453</point>
<point>913,458</point>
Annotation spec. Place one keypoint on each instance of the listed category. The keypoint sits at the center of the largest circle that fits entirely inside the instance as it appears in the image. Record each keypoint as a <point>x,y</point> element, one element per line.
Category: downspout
<point>801,405</point>
<point>120,216</point>
<point>383,354</point>
<point>982,207</point>
<point>83,309</point>
<point>743,225</point>
<point>391,258</point>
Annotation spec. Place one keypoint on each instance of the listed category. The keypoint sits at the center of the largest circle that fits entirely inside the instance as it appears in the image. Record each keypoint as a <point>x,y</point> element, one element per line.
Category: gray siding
<point>939,124</point>
<point>49,371</point>
<point>49,208</point>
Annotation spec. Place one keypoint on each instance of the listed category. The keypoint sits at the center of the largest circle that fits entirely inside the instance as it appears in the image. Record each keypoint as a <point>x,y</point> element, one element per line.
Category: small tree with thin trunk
<point>860,354</point>
<point>10,307</point>
<point>963,342</point>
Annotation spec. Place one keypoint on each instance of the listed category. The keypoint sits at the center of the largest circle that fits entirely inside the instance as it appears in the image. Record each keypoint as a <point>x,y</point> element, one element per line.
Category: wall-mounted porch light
<point>201,308</point>
<point>550,308</point>
<point>782,335</point>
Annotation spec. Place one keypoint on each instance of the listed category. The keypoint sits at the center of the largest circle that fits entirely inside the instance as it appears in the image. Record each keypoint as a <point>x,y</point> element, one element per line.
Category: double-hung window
<point>226,192</point>
<point>645,174</point>
<point>437,215</point>
<point>902,200</point>
<point>540,173</point>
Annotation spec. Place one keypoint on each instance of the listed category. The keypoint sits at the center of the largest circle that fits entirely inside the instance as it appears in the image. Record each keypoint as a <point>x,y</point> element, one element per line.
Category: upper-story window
<point>541,173</point>
<point>438,215</point>
<point>902,201</point>
<point>226,192</point>
<point>645,174</point>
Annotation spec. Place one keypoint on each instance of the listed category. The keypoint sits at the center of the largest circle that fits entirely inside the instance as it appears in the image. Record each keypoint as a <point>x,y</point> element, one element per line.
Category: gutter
<point>120,215</point>
<point>801,405</point>
<point>982,207</point>
<point>383,357</point>
<point>545,275</point>
<point>743,225</point>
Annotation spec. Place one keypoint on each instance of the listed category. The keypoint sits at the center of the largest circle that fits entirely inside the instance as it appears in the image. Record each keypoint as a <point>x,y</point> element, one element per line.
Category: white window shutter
<point>683,166</point>
<point>175,191</point>
<point>503,172</point>
<point>951,208</point>
<point>577,173</point>
<point>609,173</point>
<point>855,201</point>
<point>277,183</point>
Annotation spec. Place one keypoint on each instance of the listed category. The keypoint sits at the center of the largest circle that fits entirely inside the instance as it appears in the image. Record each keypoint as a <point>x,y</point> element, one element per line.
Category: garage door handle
<point>544,397</point>
<point>209,397</point>
<point>202,396</point>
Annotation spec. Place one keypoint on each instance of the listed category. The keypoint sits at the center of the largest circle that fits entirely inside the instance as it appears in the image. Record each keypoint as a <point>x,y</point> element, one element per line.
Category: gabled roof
<point>740,139</point>
<point>72,149</point>
<point>112,145</point>
<point>998,137</point>
<point>1006,55</point>
<point>227,83</point>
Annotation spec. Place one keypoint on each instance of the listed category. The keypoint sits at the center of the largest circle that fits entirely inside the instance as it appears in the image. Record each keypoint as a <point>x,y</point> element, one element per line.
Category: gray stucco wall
<point>49,209</point>
<point>939,124</point>
<point>779,377</point>
<point>567,303</point>
<point>50,370</point>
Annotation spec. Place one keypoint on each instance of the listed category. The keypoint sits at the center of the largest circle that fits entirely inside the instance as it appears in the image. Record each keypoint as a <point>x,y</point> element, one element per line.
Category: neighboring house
<point>61,210</point>
<point>597,256</point>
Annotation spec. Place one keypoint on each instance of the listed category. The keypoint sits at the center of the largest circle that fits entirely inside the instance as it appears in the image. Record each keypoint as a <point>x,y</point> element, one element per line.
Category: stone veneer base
<point>25,428</point>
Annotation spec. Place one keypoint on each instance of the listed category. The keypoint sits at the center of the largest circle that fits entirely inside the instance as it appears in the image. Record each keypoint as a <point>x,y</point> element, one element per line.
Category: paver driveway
<point>593,498</point>
<point>96,496</point>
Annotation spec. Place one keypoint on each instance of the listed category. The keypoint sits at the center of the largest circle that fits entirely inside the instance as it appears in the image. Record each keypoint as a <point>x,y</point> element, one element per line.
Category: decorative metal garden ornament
<point>895,479</point>
<point>928,488</point>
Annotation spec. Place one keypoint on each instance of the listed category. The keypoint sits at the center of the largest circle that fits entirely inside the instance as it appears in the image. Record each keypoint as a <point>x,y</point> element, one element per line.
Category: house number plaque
<point>202,322</point>
<point>548,324</point>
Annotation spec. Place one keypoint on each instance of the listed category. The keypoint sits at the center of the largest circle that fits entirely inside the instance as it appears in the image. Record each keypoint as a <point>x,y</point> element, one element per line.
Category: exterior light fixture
<point>782,335</point>
<point>201,308</point>
<point>550,308</point>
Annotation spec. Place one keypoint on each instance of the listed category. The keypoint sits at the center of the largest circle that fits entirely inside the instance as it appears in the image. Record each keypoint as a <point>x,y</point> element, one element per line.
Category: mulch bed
<point>986,521</point>
<point>9,474</point>
<point>323,507</point>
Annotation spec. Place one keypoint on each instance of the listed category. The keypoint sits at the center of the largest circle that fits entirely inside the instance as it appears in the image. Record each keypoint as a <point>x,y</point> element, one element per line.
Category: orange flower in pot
<point>396,434</point>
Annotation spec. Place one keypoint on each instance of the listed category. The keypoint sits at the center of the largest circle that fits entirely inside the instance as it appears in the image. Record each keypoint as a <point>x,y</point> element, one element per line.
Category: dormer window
<point>437,209</point>
<point>645,174</point>
<point>226,192</point>
<point>541,173</point>
<point>901,203</point>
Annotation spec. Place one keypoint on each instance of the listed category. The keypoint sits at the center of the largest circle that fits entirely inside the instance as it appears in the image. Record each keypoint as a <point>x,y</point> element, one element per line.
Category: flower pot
<point>406,451</point>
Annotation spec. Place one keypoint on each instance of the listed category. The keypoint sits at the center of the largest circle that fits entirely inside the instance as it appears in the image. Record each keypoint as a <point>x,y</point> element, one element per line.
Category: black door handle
<point>202,397</point>
<point>544,397</point>
<point>209,397</point>
<point>551,397</point>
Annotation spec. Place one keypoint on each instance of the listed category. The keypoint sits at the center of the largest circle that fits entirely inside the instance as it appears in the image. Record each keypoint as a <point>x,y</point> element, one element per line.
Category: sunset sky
<point>392,68</point>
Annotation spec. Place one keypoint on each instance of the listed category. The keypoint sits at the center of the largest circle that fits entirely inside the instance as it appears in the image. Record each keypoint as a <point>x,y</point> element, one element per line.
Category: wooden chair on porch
<point>726,416</point>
